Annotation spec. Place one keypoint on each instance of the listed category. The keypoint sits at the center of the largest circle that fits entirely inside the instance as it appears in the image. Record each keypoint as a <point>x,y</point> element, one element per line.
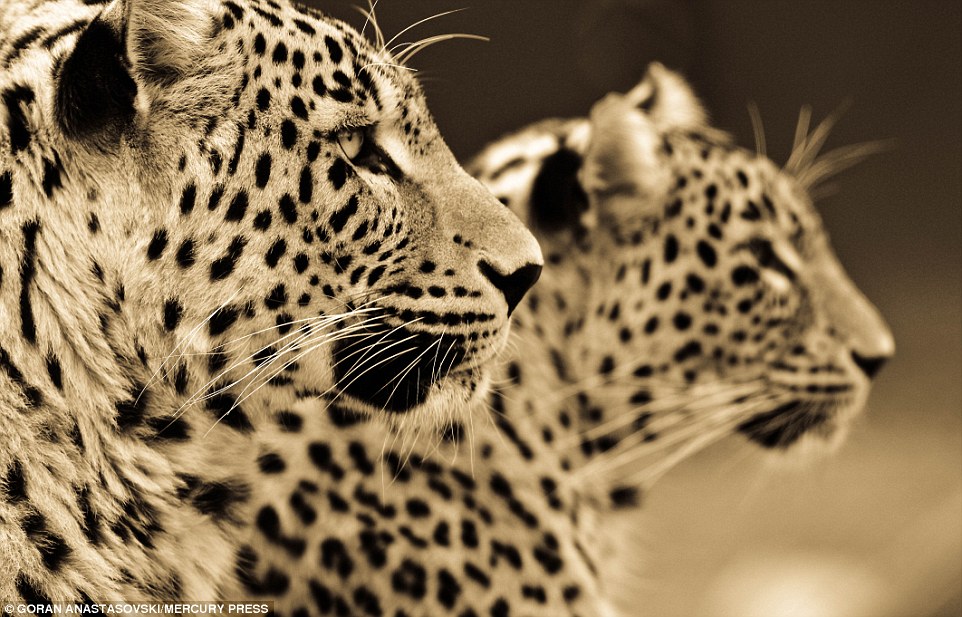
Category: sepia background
<point>875,531</point>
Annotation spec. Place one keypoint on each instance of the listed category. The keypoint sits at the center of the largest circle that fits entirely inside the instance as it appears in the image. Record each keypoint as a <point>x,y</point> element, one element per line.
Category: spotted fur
<point>689,295</point>
<point>703,273</point>
<point>209,210</point>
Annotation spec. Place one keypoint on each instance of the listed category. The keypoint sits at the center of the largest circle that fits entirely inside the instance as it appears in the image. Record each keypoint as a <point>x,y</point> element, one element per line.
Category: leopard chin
<point>393,369</point>
<point>410,377</point>
<point>432,407</point>
<point>820,423</point>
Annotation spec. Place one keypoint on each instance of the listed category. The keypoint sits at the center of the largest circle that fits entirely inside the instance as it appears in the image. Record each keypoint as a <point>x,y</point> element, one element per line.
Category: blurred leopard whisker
<point>807,145</point>
<point>802,414</point>
<point>666,426</point>
<point>677,404</point>
<point>801,133</point>
<point>758,129</point>
<point>835,161</point>
<point>647,476</point>
<point>695,435</point>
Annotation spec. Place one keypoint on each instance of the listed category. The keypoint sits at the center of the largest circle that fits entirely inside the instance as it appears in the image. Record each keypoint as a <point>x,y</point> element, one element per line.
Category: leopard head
<point>263,198</point>
<point>691,282</point>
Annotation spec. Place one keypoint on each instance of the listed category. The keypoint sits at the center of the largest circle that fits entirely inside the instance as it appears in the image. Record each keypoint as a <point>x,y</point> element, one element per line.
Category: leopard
<point>209,211</point>
<point>689,295</point>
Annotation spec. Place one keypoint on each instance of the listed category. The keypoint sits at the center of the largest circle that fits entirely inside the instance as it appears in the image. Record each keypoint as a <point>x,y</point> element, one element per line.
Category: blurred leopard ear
<point>134,52</point>
<point>624,174</point>
<point>557,201</point>
<point>667,99</point>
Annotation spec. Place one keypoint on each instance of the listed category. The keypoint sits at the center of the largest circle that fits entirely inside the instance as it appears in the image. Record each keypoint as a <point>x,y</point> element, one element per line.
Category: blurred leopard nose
<point>514,284</point>
<point>870,365</point>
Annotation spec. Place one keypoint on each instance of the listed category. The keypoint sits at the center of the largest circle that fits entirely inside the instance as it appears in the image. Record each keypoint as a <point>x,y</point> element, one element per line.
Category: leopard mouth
<point>785,425</point>
<point>392,368</point>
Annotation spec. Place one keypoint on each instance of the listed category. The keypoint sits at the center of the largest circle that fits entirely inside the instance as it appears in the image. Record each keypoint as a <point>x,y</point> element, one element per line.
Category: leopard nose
<point>870,365</point>
<point>514,285</point>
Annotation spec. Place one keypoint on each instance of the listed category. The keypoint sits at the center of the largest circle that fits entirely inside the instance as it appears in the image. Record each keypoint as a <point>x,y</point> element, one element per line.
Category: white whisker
<point>758,128</point>
<point>418,23</point>
<point>415,48</point>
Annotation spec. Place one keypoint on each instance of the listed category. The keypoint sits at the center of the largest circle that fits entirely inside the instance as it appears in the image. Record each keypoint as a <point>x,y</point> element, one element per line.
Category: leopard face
<point>290,188</point>
<point>697,280</point>
<point>207,208</point>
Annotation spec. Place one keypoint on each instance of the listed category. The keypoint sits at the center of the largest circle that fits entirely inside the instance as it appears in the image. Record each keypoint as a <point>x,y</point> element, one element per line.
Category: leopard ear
<point>166,40</point>
<point>135,51</point>
<point>668,101</point>
<point>625,173</point>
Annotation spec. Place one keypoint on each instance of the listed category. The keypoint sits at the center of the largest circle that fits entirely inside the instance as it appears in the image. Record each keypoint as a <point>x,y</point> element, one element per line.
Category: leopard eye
<point>769,258</point>
<point>351,142</point>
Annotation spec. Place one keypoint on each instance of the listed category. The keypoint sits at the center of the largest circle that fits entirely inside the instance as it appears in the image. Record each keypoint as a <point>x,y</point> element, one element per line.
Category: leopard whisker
<point>300,333</point>
<point>418,23</point>
<point>319,321</point>
<point>183,341</point>
<point>649,475</point>
<point>397,66</point>
<point>683,402</point>
<point>308,347</point>
<point>838,160</point>
<point>387,435</point>
<point>436,375</point>
<point>638,445</point>
<point>801,134</point>
<point>368,369</point>
<point>195,399</point>
<point>306,320</point>
<point>807,145</point>
<point>370,15</point>
<point>694,436</point>
<point>407,370</point>
<point>758,129</point>
<point>405,56</point>
<point>365,351</point>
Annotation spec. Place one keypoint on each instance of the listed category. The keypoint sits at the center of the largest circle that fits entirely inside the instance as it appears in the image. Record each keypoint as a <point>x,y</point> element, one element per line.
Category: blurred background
<point>875,531</point>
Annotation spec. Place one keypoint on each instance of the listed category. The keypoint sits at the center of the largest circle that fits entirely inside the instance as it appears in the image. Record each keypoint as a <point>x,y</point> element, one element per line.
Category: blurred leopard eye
<point>769,258</point>
<point>351,141</point>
